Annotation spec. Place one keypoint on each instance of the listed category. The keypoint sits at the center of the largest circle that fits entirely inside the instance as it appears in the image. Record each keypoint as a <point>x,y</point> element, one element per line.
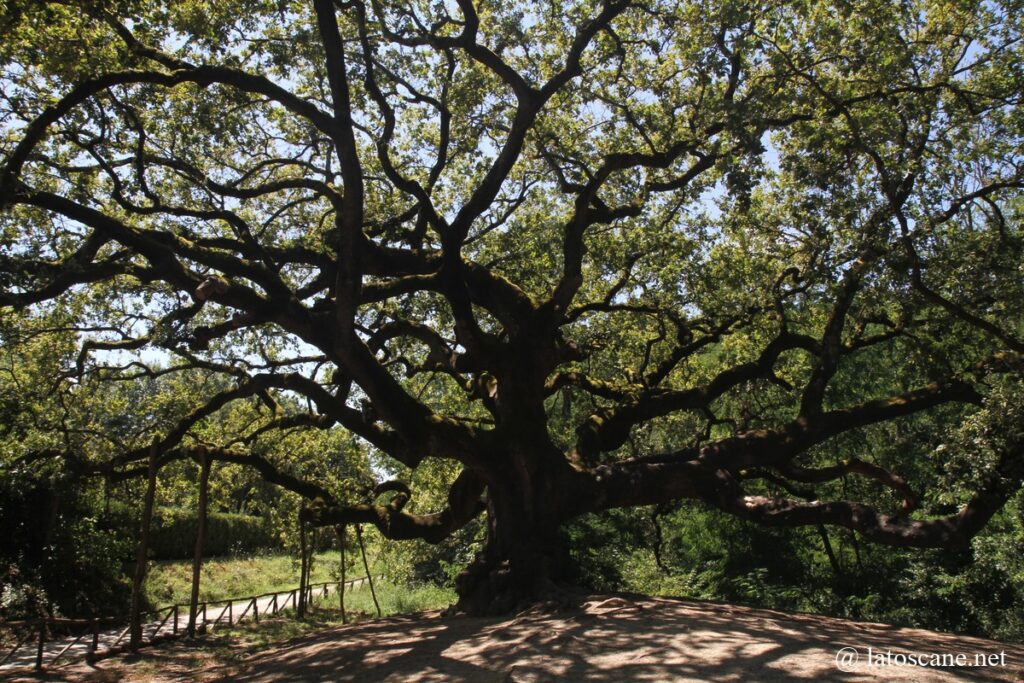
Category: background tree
<point>588,255</point>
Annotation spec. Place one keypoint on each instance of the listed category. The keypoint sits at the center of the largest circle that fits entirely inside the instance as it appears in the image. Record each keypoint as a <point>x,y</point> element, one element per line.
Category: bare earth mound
<point>630,639</point>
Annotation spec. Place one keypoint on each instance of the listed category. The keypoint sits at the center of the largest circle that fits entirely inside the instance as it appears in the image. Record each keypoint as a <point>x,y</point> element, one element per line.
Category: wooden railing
<point>40,631</point>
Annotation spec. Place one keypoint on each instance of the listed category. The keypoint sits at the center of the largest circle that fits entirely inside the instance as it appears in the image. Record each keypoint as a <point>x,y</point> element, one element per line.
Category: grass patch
<point>248,637</point>
<point>170,582</point>
<point>394,599</point>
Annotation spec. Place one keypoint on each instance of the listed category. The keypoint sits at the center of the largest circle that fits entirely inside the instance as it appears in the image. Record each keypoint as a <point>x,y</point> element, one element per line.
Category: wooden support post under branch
<point>301,608</point>
<point>366,566</point>
<point>142,556</point>
<point>340,530</point>
<point>197,561</point>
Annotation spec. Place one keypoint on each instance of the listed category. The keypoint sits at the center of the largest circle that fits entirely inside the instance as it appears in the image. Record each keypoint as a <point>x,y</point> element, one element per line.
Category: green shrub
<point>56,557</point>
<point>173,534</point>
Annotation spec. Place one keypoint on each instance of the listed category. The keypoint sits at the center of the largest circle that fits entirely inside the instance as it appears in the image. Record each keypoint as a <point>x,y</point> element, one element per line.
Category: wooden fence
<point>161,624</point>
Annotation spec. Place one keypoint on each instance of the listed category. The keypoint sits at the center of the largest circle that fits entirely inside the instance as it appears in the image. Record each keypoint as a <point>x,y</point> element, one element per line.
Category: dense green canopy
<point>560,257</point>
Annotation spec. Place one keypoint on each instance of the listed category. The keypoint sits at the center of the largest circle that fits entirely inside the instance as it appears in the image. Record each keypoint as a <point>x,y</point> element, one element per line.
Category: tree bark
<point>525,557</point>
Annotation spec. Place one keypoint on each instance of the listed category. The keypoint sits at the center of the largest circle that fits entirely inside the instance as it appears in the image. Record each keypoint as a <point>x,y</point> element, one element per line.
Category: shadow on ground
<point>621,639</point>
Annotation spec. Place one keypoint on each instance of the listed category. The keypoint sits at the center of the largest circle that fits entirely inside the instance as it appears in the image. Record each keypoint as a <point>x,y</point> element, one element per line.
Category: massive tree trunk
<point>525,557</point>
<point>529,495</point>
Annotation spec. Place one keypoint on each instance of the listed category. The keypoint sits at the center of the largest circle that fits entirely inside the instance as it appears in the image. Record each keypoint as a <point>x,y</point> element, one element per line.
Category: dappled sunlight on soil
<point>620,639</point>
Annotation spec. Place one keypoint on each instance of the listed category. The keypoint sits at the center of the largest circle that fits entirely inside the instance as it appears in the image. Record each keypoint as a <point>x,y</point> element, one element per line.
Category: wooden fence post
<point>142,555</point>
<point>42,641</point>
<point>197,560</point>
<point>95,636</point>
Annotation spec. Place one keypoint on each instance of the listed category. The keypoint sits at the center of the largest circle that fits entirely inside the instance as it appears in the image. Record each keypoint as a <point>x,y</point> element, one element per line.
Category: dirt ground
<point>606,638</point>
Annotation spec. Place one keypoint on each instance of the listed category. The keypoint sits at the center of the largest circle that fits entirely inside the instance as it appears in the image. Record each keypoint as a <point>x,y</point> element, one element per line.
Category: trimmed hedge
<point>173,534</point>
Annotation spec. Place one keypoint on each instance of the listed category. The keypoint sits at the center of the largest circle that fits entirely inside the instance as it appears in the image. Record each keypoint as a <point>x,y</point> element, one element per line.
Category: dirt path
<point>612,638</point>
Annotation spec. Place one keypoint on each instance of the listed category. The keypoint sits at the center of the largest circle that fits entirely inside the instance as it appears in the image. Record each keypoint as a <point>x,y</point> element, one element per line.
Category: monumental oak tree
<point>597,254</point>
